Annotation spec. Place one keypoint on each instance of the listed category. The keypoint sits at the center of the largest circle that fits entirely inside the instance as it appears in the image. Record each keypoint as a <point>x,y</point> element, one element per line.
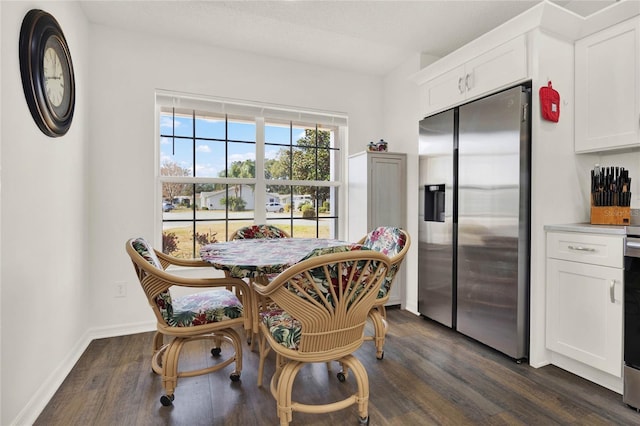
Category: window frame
<point>262,113</point>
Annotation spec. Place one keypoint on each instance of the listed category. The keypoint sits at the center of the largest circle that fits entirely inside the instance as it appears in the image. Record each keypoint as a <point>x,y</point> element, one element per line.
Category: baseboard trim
<point>122,330</point>
<point>29,414</point>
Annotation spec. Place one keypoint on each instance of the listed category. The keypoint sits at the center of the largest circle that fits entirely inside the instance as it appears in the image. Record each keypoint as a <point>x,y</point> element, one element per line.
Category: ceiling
<point>362,35</point>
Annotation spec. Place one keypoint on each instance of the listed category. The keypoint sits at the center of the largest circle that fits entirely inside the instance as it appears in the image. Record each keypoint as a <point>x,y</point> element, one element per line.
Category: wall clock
<point>47,73</point>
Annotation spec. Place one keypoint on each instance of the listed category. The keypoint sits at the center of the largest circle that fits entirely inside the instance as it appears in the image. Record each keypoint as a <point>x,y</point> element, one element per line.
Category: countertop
<point>588,228</point>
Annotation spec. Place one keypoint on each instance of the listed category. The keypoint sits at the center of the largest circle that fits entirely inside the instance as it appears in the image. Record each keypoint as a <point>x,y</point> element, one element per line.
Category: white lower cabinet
<point>585,299</point>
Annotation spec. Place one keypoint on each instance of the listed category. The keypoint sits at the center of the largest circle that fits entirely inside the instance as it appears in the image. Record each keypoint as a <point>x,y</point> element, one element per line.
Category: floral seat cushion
<point>194,309</point>
<point>285,329</point>
<point>145,250</point>
<point>202,308</point>
<point>259,231</point>
<point>389,241</point>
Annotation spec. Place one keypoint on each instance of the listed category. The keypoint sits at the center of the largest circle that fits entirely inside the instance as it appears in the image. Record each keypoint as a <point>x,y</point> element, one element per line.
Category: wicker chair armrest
<point>167,260</point>
<point>180,281</point>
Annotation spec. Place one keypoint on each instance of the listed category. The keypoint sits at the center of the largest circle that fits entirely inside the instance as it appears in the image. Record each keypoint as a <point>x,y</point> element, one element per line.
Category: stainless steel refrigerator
<point>474,233</point>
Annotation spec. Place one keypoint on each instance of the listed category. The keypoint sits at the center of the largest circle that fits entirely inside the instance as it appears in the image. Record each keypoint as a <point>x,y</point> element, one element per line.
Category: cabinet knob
<point>460,86</point>
<point>468,81</point>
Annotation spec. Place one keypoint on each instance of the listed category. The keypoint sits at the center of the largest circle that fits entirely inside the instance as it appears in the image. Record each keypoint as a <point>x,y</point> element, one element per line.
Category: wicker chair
<point>211,314</point>
<point>394,242</point>
<point>255,232</point>
<point>258,231</point>
<point>317,320</point>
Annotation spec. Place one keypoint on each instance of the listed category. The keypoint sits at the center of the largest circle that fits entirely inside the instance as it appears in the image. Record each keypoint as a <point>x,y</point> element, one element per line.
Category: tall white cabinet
<point>377,185</point>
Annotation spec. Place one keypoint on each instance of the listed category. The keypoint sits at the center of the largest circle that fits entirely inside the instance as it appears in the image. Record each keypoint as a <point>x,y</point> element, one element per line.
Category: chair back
<point>393,242</point>
<point>258,231</point>
<point>330,293</point>
<point>150,272</point>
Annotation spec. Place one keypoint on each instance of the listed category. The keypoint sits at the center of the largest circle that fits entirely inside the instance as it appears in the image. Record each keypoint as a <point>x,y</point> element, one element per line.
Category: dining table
<point>259,258</point>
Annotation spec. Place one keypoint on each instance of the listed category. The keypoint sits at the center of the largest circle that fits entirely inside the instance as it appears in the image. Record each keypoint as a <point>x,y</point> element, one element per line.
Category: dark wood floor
<point>430,375</point>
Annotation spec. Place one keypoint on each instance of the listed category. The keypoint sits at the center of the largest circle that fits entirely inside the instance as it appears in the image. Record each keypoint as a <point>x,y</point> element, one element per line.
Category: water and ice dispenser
<point>434,203</point>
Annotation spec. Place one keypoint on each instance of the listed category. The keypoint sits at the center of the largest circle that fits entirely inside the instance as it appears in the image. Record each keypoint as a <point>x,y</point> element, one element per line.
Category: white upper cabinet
<point>607,114</point>
<point>480,75</point>
<point>443,91</point>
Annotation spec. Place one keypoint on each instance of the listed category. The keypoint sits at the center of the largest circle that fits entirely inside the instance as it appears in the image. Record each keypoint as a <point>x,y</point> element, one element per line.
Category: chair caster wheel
<point>363,420</point>
<point>216,351</point>
<point>342,377</point>
<point>235,377</point>
<point>167,400</point>
<point>381,356</point>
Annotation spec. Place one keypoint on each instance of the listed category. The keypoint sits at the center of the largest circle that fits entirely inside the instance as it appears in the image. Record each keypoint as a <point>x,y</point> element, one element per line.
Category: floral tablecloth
<point>250,258</point>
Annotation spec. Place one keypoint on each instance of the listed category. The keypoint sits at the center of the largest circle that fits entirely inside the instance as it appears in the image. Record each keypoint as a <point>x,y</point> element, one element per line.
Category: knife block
<point>610,215</point>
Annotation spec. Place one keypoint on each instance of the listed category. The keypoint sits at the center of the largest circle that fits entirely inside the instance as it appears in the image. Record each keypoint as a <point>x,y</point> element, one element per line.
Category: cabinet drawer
<point>605,250</point>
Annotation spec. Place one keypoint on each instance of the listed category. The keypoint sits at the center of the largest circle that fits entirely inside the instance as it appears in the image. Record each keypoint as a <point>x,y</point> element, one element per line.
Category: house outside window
<point>224,164</point>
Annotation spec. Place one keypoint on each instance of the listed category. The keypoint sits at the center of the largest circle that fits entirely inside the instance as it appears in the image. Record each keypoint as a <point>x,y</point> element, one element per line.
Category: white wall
<point>44,267</point>
<point>556,195</point>
<point>126,68</point>
<point>400,130</point>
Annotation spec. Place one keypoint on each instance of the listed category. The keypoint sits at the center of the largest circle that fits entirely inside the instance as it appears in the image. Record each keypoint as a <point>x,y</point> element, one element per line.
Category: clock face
<point>47,73</point>
<point>53,76</point>
<point>56,75</point>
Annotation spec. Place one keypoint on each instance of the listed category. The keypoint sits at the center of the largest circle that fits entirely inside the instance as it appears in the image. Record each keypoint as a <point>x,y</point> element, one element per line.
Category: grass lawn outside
<point>215,231</point>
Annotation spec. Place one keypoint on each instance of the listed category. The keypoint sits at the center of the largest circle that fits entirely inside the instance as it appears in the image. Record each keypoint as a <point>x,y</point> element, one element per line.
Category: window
<point>225,164</point>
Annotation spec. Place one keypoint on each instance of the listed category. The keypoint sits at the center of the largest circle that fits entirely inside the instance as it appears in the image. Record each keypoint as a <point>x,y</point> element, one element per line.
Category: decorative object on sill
<point>550,103</point>
<point>610,196</point>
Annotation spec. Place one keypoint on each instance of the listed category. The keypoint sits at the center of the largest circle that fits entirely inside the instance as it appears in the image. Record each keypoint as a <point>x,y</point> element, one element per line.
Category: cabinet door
<point>387,191</point>
<point>493,70</point>
<point>607,89</point>
<point>584,313</point>
<point>446,90</point>
<point>498,68</point>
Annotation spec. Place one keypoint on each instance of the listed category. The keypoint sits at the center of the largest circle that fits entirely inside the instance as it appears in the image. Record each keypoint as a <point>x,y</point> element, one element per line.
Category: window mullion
<point>193,173</point>
<point>260,192</point>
